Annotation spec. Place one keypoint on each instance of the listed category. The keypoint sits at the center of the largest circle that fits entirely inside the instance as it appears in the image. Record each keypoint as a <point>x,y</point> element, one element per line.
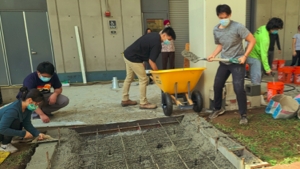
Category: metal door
<point>4,78</point>
<point>155,21</point>
<point>26,42</point>
<point>38,38</point>
<point>16,48</point>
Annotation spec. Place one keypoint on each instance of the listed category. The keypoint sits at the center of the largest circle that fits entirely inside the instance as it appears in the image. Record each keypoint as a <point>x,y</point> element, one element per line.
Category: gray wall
<point>101,49</point>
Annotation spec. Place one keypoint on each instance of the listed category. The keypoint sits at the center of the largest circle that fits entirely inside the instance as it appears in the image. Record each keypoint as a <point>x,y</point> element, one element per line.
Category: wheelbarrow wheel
<point>197,100</point>
<point>167,104</point>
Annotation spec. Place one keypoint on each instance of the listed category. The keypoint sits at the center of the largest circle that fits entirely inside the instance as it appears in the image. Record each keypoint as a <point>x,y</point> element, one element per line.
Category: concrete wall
<point>203,18</point>
<point>101,49</point>
<point>288,11</point>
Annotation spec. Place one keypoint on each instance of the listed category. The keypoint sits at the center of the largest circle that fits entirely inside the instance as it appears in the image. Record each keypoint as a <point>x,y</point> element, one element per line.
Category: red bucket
<point>297,76</point>
<point>275,65</point>
<point>274,88</point>
<point>247,67</point>
<point>281,75</point>
<point>281,63</point>
<point>288,71</point>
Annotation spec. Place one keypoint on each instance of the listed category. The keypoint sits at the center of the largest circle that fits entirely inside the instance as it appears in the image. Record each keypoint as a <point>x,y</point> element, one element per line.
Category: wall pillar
<point>202,19</point>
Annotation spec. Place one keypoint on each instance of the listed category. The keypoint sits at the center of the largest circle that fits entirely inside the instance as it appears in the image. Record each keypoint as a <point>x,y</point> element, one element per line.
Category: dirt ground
<point>275,141</point>
<point>19,159</point>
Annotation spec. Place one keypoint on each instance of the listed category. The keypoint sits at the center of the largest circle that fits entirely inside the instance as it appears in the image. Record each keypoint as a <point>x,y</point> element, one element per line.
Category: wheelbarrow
<point>179,83</point>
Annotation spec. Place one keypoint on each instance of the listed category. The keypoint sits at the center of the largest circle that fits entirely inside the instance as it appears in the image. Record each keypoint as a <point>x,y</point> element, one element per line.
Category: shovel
<point>194,58</point>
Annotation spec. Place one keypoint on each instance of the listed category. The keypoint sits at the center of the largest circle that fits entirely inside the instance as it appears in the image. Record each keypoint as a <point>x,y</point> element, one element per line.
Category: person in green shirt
<point>258,57</point>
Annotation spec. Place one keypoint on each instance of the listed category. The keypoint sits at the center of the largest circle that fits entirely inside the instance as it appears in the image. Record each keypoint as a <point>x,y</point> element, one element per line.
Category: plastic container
<point>274,88</point>
<point>281,75</point>
<point>288,72</point>
<point>297,76</point>
<point>281,63</point>
<point>275,65</point>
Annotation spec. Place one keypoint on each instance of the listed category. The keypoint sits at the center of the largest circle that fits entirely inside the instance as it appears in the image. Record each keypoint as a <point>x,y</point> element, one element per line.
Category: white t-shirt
<point>297,37</point>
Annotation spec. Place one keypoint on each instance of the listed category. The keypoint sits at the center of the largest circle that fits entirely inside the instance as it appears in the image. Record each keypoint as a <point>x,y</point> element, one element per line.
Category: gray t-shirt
<point>231,39</point>
<point>297,37</point>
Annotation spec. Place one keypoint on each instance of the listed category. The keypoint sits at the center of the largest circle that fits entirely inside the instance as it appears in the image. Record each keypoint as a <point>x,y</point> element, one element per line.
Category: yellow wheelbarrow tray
<point>178,83</point>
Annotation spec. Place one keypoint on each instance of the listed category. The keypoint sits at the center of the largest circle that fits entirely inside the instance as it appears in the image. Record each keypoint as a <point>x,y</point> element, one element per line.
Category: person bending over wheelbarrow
<point>228,37</point>
<point>145,49</point>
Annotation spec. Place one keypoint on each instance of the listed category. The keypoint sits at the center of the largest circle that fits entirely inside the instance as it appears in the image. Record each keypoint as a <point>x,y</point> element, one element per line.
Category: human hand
<point>28,135</point>
<point>45,118</point>
<point>52,99</point>
<point>242,59</point>
<point>41,136</point>
<point>279,51</point>
<point>269,72</point>
<point>294,53</point>
<point>210,57</point>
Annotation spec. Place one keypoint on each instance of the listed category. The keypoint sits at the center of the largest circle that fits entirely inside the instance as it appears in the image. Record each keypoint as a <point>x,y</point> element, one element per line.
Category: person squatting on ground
<point>259,54</point>
<point>296,48</point>
<point>229,36</point>
<point>44,79</point>
<point>145,49</point>
<point>17,115</point>
<point>168,51</point>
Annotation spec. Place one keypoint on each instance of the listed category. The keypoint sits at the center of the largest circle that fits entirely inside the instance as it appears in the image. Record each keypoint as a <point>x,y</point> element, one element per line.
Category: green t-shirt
<point>260,50</point>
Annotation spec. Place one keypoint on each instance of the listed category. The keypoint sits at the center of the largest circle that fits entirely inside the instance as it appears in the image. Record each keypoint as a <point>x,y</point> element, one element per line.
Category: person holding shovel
<point>145,49</point>
<point>229,36</point>
<point>18,115</point>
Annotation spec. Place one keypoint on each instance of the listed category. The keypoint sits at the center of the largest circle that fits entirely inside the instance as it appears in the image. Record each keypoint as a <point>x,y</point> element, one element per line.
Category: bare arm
<point>251,42</point>
<point>153,65</point>
<point>57,91</point>
<point>217,50</point>
<point>294,45</point>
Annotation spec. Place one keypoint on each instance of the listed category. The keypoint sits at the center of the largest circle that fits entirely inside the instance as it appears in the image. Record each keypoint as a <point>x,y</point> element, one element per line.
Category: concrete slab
<point>39,159</point>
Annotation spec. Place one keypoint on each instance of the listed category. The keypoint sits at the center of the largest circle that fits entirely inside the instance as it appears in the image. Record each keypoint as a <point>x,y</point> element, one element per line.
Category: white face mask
<point>225,22</point>
<point>167,25</point>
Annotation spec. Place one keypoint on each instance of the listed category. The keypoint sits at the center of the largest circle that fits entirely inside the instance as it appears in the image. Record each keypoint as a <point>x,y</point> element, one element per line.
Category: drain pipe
<point>80,55</point>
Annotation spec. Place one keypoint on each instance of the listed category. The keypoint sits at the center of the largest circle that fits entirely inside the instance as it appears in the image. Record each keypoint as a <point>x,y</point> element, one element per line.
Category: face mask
<point>45,79</point>
<point>168,26</point>
<point>224,22</point>
<point>275,32</point>
<point>32,107</point>
<point>166,42</point>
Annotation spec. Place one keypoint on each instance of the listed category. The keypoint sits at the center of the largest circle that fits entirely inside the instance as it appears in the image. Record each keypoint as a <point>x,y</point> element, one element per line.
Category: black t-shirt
<point>146,47</point>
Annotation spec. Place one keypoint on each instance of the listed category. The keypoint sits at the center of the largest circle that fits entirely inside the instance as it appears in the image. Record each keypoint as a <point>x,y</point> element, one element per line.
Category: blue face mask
<point>275,32</point>
<point>32,107</point>
<point>166,42</point>
<point>45,79</point>
<point>224,22</point>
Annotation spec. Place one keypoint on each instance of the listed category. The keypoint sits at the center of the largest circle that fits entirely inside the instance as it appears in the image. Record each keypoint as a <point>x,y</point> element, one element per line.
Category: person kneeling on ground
<point>43,79</point>
<point>146,49</point>
<point>229,36</point>
<point>18,115</point>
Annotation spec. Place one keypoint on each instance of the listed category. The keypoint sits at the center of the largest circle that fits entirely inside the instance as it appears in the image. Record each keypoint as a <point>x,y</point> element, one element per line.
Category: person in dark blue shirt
<point>17,115</point>
<point>44,79</point>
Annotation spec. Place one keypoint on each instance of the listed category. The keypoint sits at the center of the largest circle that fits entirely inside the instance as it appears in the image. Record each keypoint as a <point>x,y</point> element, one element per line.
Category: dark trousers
<point>168,56</point>
<point>295,58</point>
<point>238,73</point>
<point>16,125</point>
<point>270,58</point>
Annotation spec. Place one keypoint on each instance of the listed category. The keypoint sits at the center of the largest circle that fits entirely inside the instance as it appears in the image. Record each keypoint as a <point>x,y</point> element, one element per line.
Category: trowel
<point>47,139</point>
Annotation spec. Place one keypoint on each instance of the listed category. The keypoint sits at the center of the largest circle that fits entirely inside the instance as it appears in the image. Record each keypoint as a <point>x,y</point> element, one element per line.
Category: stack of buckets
<point>285,75</point>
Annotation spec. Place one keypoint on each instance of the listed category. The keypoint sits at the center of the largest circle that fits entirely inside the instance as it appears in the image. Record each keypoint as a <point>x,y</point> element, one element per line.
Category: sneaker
<point>148,106</point>
<point>243,120</point>
<point>216,113</point>
<point>128,103</point>
<point>21,140</point>
<point>8,148</point>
